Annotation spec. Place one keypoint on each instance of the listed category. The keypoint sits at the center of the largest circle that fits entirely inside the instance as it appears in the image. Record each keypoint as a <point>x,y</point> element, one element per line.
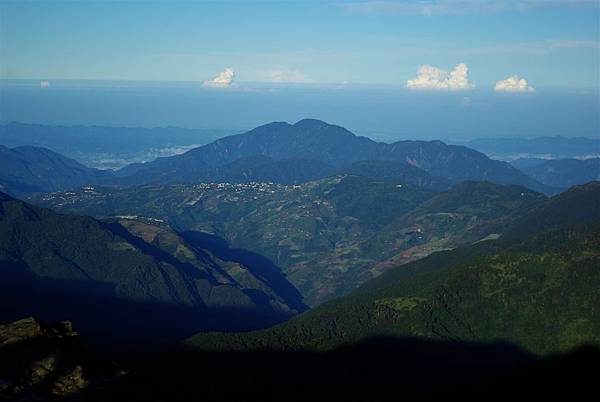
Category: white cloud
<point>223,80</point>
<point>433,78</point>
<point>513,84</point>
<point>287,76</point>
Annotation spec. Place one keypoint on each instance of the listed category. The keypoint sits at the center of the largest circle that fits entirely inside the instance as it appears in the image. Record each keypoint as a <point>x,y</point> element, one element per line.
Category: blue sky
<point>551,44</point>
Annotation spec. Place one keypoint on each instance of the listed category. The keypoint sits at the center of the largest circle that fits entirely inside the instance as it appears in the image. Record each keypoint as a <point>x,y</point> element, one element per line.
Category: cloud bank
<point>223,80</point>
<point>433,78</point>
<point>513,84</point>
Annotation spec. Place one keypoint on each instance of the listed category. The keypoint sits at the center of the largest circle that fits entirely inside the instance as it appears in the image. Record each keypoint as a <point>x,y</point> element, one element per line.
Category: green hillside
<point>540,293</point>
<point>328,236</point>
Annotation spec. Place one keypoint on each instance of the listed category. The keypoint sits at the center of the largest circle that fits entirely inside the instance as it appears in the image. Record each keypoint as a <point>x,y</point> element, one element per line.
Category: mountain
<point>538,292</point>
<point>149,282</point>
<point>329,144</point>
<point>542,147</point>
<point>564,173</point>
<point>327,236</point>
<point>27,170</point>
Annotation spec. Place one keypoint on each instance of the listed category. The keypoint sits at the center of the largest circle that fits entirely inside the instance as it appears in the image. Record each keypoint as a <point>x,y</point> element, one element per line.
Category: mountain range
<point>251,229</point>
<point>307,150</point>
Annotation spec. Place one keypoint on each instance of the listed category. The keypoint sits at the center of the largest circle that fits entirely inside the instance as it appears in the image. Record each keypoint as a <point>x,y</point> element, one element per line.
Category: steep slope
<point>332,145</point>
<point>539,292</point>
<point>61,265</point>
<point>328,236</point>
<point>27,170</point>
<point>563,173</point>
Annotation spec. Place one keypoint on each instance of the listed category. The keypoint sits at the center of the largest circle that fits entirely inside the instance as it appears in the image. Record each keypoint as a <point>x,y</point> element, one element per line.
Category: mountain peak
<point>311,124</point>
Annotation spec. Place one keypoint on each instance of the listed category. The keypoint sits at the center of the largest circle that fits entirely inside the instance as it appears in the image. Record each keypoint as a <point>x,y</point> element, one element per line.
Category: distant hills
<point>537,290</point>
<point>107,147</point>
<point>328,236</point>
<point>129,278</point>
<point>283,153</point>
<point>29,170</point>
<point>277,152</point>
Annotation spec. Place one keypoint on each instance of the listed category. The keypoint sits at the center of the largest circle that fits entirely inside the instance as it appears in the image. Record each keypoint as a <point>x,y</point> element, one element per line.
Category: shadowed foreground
<point>52,363</point>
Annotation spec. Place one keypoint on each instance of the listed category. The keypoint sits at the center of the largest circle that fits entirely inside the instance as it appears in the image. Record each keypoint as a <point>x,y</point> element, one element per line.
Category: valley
<point>328,236</point>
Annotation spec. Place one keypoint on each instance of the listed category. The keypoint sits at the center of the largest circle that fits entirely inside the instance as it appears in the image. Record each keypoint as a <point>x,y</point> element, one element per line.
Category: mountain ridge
<point>334,145</point>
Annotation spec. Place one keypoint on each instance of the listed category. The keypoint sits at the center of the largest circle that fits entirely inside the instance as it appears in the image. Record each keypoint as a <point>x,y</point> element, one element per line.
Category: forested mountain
<point>538,291</point>
<point>329,144</point>
<point>140,277</point>
<point>329,235</point>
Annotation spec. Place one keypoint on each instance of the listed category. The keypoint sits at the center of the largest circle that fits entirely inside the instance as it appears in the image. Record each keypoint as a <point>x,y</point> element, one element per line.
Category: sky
<point>495,45</point>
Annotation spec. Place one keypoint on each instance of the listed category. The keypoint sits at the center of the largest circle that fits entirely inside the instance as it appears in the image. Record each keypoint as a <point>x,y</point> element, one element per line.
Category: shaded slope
<point>55,264</point>
<point>579,204</point>
<point>50,362</point>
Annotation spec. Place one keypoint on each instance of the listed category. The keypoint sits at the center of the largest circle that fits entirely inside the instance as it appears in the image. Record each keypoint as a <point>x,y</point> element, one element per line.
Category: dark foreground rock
<point>40,362</point>
<point>49,362</point>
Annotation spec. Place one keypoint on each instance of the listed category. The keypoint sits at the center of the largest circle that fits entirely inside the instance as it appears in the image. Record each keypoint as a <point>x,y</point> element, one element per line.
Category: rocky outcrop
<point>39,361</point>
